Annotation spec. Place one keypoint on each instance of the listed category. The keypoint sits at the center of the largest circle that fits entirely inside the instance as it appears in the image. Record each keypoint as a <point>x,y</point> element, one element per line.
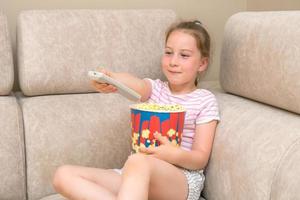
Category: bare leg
<point>145,177</point>
<point>75,182</point>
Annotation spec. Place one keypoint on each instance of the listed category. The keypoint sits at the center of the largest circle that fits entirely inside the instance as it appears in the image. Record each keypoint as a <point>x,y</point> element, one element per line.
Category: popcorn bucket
<point>147,119</point>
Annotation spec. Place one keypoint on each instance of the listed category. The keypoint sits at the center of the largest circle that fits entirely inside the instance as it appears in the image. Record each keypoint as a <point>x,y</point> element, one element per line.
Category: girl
<point>165,172</point>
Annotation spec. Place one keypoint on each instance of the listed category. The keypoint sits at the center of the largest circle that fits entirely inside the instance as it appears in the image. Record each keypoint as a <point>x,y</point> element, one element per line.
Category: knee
<point>61,177</point>
<point>137,162</point>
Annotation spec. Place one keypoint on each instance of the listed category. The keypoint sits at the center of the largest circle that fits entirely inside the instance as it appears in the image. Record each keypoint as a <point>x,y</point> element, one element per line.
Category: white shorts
<point>195,179</point>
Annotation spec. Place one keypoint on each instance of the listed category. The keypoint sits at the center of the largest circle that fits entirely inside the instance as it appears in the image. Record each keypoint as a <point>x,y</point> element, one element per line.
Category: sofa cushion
<point>256,152</point>
<point>6,60</point>
<point>12,170</point>
<point>84,129</point>
<point>58,47</point>
<point>286,180</point>
<point>260,57</point>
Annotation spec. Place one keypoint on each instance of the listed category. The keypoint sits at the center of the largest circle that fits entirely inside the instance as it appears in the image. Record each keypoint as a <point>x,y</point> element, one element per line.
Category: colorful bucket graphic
<point>145,123</point>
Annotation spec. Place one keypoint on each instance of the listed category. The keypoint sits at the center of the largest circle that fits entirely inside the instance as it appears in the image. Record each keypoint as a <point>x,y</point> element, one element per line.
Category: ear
<point>203,64</point>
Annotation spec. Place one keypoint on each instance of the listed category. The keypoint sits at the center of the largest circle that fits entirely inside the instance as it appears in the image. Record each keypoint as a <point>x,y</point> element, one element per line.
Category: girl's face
<point>182,61</point>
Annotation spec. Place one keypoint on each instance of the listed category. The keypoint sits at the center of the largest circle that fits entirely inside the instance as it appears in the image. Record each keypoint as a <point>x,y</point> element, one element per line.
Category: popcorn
<point>159,107</point>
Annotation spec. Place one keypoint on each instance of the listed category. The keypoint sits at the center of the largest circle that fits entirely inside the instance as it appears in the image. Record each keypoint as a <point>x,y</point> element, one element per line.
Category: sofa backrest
<point>256,152</point>
<point>12,161</point>
<point>57,48</point>
<point>6,60</point>
<point>261,57</point>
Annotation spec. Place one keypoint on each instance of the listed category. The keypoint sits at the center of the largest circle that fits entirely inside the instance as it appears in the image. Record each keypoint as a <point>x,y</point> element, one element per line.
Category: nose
<point>174,61</point>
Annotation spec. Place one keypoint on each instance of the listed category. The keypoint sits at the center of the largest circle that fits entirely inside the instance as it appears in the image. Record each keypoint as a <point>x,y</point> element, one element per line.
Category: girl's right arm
<point>141,86</point>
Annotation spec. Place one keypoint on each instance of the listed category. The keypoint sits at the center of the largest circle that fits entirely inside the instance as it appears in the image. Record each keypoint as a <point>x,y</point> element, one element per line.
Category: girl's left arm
<point>198,157</point>
<point>195,159</point>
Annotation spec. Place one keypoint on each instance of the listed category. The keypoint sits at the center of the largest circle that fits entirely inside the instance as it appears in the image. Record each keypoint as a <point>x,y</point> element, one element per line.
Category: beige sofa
<point>12,160</point>
<point>57,119</point>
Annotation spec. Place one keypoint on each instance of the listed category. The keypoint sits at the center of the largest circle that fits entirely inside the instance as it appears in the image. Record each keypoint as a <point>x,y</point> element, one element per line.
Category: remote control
<point>122,89</point>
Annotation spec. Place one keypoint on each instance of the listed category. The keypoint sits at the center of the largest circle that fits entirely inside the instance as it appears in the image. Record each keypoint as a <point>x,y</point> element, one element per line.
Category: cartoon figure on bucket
<point>166,171</point>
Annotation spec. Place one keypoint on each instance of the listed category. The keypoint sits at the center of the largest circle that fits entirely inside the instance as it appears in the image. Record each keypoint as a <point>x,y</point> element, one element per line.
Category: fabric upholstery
<point>84,129</point>
<point>58,47</point>
<point>12,168</point>
<point>260,57</point>
<point>286,180</point>
<point>255,153</point>
<point>256,149</point>
<point>6,60</point>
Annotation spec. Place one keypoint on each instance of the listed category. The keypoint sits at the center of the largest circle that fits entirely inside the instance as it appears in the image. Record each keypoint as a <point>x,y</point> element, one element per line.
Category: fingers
<point>103,87</point>
<point>149,150</point>
<point>162,139</point>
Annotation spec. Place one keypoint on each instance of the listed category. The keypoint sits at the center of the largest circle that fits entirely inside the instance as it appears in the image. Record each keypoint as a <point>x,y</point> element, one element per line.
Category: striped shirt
<point>201,107</point>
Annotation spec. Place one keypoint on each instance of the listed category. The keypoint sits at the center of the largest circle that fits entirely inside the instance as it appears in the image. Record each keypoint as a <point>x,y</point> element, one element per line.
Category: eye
<point>184,55</point>
<point>168,52</point>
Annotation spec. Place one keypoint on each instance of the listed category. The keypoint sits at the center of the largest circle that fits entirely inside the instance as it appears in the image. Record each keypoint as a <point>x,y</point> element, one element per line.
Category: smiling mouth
<point>174,72</point>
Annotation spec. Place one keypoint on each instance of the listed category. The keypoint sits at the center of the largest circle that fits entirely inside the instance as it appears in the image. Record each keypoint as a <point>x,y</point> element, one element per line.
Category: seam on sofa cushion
<point>20,58</point>
<point>21,131</point>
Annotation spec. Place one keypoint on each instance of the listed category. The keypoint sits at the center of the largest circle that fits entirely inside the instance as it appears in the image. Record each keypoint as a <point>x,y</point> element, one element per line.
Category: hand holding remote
<point>121,88</point>
<point>102,86</point>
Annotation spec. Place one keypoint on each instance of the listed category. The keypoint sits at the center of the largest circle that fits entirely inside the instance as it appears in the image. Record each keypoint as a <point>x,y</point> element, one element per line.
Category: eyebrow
<point>180,49</point>
<point>187,50</point>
